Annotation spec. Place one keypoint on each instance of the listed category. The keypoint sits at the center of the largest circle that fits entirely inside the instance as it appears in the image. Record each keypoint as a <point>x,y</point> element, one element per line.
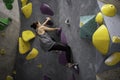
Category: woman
<point>48,44</point>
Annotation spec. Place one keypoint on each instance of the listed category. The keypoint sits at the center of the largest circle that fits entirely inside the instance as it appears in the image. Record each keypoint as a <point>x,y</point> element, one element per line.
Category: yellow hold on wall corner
<point>113,59</point>
<point>23,46</point>
<point>109,10</point>
<point>101,39</point>
<point>116,39</point>
<point>27,10</point>
<point>99,18</point>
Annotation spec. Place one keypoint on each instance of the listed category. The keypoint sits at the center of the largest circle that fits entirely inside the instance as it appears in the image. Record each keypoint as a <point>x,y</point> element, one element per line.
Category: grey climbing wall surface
<point>83,50</point>
<point>113,74</point>
<point>29,70</point>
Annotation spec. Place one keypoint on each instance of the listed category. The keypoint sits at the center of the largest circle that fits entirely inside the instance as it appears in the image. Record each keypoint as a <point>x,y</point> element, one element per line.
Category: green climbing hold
<point>8,1</point>
<point>9,6</point>
<point>1,27</point>
<point>4,22</point>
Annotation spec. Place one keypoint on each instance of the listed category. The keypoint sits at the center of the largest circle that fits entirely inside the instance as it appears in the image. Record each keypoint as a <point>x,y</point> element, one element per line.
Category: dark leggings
<point>63,47</point>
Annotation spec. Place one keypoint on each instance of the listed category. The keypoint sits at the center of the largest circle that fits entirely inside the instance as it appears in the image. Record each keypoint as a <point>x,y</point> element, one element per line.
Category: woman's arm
<point>50,29</point>
<point>48,18</point>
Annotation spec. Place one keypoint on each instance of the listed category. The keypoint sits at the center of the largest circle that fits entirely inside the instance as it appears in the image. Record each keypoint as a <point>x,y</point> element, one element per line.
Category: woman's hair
<point>34,25</point>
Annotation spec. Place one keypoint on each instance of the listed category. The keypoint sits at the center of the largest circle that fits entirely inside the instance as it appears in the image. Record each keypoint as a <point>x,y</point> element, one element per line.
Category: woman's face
<point>38,24</point>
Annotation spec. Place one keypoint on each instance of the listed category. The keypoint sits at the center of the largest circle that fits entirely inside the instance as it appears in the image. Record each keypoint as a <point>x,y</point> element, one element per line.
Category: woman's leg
<point>63,47</point>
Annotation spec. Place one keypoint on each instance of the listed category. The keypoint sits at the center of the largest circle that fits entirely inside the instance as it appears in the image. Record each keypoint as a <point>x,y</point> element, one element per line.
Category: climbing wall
<point>51,65</point>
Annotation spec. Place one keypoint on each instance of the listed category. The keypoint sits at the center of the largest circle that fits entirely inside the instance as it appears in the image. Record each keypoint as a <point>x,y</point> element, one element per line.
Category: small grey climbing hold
<point>3,34</point>
<point>67,21</point>
<point>2,51</point>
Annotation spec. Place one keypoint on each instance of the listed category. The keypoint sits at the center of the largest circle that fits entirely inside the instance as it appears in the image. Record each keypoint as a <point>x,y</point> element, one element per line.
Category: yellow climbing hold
<point>2,51</point>
<point>39,65</point>
<point>28,35</point>
<point>14,72</point>
<point>3,34</point>
<point>23,46</point>
<point>109,10</point>
<point>99,18</point>
<point>9,77</point>
<point>116,39</point>
<point>24,2</point>
<point>32,54</point>
<point>113,59</point>
<point>101,39</point>
<point>81,24</point>
<point>27,10</point>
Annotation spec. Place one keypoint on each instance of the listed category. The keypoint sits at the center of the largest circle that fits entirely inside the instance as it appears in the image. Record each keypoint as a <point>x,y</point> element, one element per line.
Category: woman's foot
<point>74,66</point>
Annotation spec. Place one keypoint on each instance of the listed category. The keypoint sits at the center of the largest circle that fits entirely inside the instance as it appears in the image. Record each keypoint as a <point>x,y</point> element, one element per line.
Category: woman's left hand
<point>48,18</point>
